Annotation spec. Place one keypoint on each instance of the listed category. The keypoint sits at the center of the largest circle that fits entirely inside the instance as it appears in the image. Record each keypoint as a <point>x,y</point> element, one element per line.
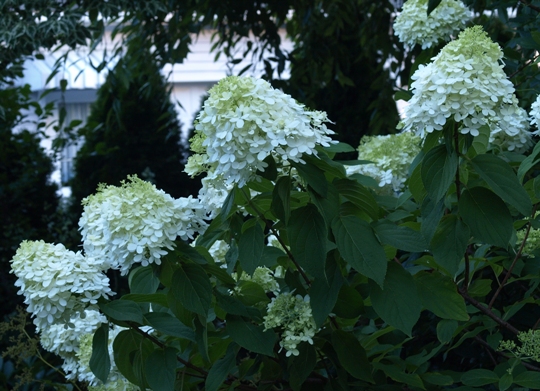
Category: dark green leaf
<point>528,379</point>
<point>233,306</point>
<point>503,181</point>
<point>250,336</point>
<point>155,298</point>
<point>358,245</point>
<point>339,147</point>
<point>352,355</point>
<point>192,287</point>
<point>403,238</point>
<point>528,163</point>
<point>487,216</point>
<point>100,361</point>
<point>324,293</point>
<point>161,369</point>
<point>438,171</point>
<point>307,237</point>
<point>479,377</point>
<point>250,248</point>
<point>271,255</point>
<point>506,381</point>
<point>126,344</point>
<point>314,176</point>
<point>432,4</point>
<point>439,295</point>
<point>221,369</point>
<point>358,195</point>
<point>301,366</point>
<point>399,303</point>
<point>281,199</point>
<point>445,330</point>
<point>123,310</point>
<point>349,304</point>
<point>168,324</point>
<point>450,243</point>
<point>143,280</point>
<point>416,186</point>
<point>431,213</point>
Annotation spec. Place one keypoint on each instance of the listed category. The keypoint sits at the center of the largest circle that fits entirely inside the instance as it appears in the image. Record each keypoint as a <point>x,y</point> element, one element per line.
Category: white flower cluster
<point>218,250</point>
<point>509,129</point>
<point>213,193</point>
<point>262,276</point>
<point>414,26</point>
<point>57,283</point>
<point>464,82</point>
<point>391,156</point>
<point>137,223</point>
<point>244,120</point>
<point>534,115</point>
<point>292,314</point>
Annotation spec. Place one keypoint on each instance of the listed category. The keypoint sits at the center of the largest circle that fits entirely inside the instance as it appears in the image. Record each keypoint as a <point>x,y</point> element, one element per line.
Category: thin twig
<point>487,311</point>
<point>516,258</point>
<point>533,7</point>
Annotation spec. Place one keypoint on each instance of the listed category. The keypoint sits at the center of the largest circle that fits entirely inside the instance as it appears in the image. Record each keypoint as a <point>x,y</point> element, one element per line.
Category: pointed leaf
<point>314,176</point>
<point>302,365</point>
<point>358,195</point>
<point>439,295</point>
<point>100,361</point>
<point>161,369</point>
<point>359,246</point>
<point>143,280</point>
<point>125,310</point>
<point>324,293</point>
<point>250,248</point>
<point>307,237</point>
<point>281,199</point>
<point>479,377</point>
<point>352,355</point>
<point>402,238</point>
<point>221,368</point>
<point>192,287</point>
<point>438,171</point>
<point>503,181</point>
<point>528,379</point>
<point>399,303</point>
<point>169,325</point>
<point>450,243</point>
<point>487,216</point>
<point>251,337</point>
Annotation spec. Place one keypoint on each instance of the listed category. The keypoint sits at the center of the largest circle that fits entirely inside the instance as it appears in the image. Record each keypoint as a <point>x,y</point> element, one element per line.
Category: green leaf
<point>438,171</point>
<point>349,303</point>
<point>252,293</point>
<point>503,181</point>
<point>161,369</point>
<point>301,366</point>
<point>481,142</point>
<point>359,246</point>
<point>192,287</point>
<point>155,298</point>
<point>506,381</point>
<point>221,369</point>
<point>123,310</point>
<point>339,147</point>
<point>314,176</point>
<point>528,163</point>
<point>359,195</point>
<point>400,237</point>
<point>487,216</point>
<point>324,293</point>
<point>479,377</point>
<point>201,337</point>
<point>399,303</point>
<point>143,280</point>
<point>125,346</point>
<point>437,379</point>
<point>445,330</point>
<point>100,361</point>
<point>450,243</point>
<point>251,337</point>
<point>250,248</point>
<point>416,186</point>
<point>281,199</point>
<point>528,379</point>
<point>403,95</point>
<point>351,355</point>
<point>439,295</point>
<point>233,306</point>
<point>398,375</point>
<point>431,213</point>
<point>307,237</point>
<point>432,4</point>
<point>169,325</point>
<point>271,255</point>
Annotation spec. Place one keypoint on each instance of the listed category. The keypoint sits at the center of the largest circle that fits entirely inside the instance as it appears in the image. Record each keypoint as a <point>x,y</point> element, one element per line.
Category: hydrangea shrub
<point>294,270</point>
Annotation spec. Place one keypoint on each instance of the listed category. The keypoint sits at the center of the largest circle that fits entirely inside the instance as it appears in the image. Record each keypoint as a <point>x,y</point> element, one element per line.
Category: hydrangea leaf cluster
<point>414,26</point>
<point>137,223</point>
<point>464,82</point>
<point>292,314</point>
<point>57,283</point>
<point>244,120</point>
<point>391,156</point>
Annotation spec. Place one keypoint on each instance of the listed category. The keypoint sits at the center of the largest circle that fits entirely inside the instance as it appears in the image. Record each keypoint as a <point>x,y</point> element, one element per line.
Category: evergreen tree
<point>133,128</point>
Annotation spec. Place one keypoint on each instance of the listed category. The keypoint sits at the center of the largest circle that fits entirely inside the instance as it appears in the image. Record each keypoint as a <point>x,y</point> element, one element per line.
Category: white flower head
<point>534,115</point>
<point>137,223</point>
<point>465,81</point>
<point>509,129</point>
<point>292,314</point>
<point>414,26</point>
<point>244,120</point>
<point>391,156</point>
<point>57,283</point>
